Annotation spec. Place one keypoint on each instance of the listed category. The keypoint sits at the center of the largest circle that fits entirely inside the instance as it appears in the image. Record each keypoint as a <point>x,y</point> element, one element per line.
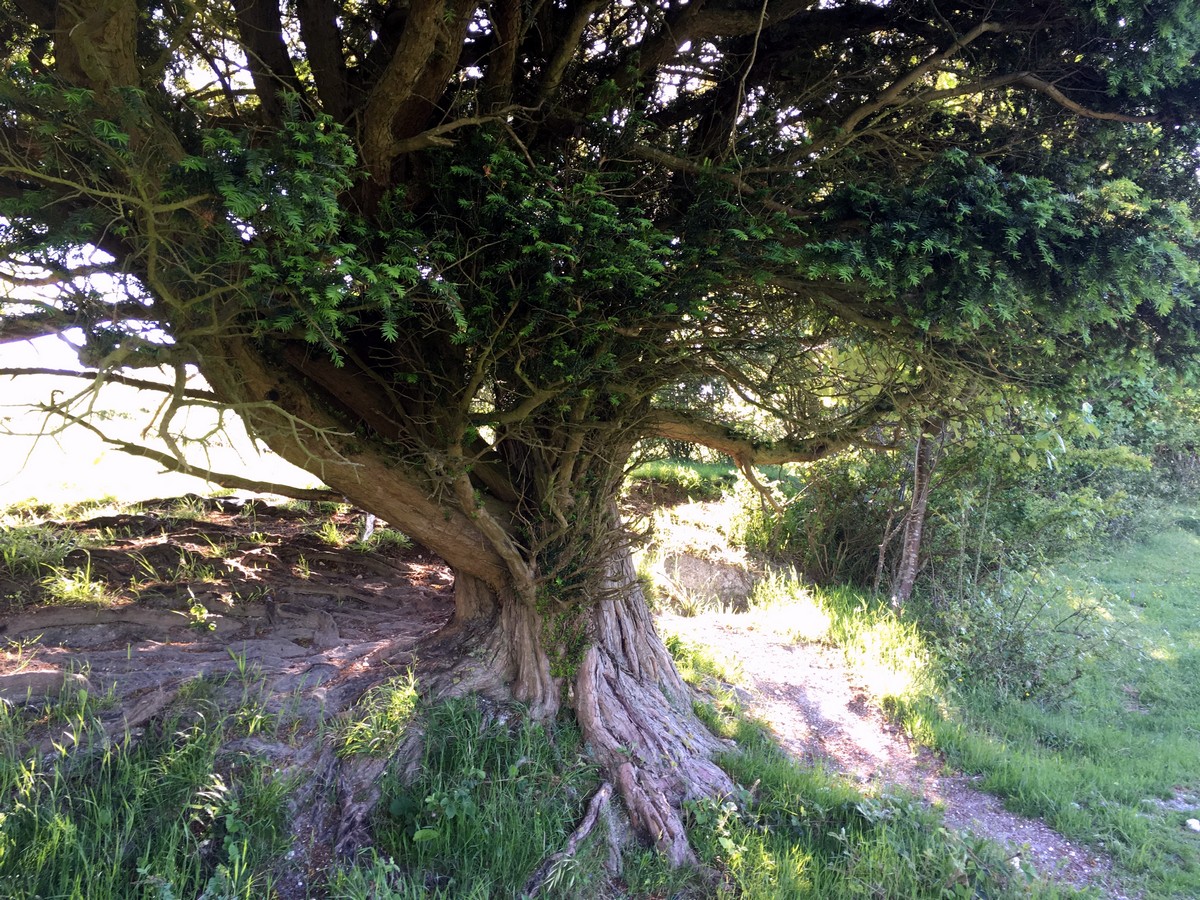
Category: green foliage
<point>28,551</point>
<point>381,718</point>
<point>834,518</point>
<point>1022,635</point>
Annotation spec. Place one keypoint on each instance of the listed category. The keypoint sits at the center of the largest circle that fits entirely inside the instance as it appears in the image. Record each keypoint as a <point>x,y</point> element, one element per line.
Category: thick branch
<point>261,31</point>
<point>745,451</point>
<point>47,322</point>
<point>323,41</point>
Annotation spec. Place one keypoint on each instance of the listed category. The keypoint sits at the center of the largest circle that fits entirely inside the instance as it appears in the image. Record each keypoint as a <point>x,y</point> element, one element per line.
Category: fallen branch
<point>542,872</point>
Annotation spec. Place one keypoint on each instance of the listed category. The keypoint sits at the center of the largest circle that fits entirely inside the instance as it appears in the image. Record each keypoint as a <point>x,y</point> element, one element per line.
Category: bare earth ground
<point>250,597</point>
<point>807,696</point>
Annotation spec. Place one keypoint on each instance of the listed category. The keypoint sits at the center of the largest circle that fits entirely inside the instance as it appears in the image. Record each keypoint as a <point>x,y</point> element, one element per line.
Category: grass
<point>694,480</point>
<point>30,551</point>
<point>495,795</point>
<point>1116,763</point>
<point>382,716</point>
<point>76,587</point>
<point>163,817</point>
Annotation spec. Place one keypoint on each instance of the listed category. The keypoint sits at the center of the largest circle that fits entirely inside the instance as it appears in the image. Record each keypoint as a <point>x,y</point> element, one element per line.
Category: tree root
<point>596,806</point>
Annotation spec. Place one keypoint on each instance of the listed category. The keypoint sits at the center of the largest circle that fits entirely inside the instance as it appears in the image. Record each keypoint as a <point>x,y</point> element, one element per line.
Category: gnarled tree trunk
<point>634,710</point>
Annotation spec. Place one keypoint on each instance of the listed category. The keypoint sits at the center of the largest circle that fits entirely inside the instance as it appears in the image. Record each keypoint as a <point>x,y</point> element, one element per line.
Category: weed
<point>29,551</point>
<point>383,540</point>
<point>199,616</point>
<point>329,533</point>
<point>383,714</point>
<point>77,587</point>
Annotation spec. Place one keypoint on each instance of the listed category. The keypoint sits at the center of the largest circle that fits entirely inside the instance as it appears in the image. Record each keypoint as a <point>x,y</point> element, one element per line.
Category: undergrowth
<point>495,795</point>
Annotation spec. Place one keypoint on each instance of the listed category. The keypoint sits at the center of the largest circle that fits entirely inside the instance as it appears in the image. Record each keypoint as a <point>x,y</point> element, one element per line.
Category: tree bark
<point>635,713</point>
<point>927,452</point>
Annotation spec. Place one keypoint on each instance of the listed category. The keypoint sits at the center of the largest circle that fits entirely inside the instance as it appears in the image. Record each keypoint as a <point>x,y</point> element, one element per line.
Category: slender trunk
<point>928,449</point>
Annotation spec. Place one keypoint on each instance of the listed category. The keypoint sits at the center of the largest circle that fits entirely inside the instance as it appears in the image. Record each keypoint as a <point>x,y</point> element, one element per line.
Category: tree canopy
<point>457,259</point>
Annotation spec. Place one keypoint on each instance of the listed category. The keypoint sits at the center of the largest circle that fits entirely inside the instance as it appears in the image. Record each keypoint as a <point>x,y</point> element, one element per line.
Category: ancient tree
<point>456,259</point>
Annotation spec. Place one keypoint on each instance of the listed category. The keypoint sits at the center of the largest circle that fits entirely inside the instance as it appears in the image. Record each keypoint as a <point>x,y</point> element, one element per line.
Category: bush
<point>835,513</point>
<point>1015,637</point>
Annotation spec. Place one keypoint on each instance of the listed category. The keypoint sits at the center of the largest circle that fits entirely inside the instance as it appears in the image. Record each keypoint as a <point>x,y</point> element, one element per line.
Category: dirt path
<point>807,695</point>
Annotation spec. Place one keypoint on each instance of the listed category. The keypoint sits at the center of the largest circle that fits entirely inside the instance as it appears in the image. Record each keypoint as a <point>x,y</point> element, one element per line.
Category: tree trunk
<point>633,708</point>
<point>635,713</point>
<point>928,449</point>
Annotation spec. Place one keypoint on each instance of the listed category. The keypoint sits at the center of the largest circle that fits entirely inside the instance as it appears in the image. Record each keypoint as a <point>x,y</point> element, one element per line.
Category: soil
<point>249,597</point>
<point>251,593</point>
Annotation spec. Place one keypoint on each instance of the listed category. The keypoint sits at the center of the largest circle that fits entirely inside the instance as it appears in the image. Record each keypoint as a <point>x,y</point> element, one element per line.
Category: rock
<point>1193,824</point>
<point>23,687</point>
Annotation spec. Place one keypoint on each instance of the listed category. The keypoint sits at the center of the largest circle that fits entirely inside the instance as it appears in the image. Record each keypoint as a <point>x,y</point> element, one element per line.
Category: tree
<point>452,258</point>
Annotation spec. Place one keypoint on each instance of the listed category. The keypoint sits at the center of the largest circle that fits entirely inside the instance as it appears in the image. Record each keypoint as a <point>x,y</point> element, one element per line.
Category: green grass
<point>695,480</point>
<point>160,818</point>
<point>1098,764</point>
<point>495,795</point>
<point>380,718</point>
<point>30,551</point>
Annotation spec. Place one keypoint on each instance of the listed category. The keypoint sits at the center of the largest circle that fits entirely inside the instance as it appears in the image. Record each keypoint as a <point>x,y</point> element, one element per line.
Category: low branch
<point>139,383</point>
<point>1030,80</point>
<point>34,325</point>
<point>745,451</point>
<point>433,137</point>
<point>224,479</point>
<point>55,321</point>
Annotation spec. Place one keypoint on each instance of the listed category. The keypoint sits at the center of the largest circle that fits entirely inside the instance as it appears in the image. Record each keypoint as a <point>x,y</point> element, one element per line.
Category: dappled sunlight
<point>1164,654</point>
<point>803,620</point>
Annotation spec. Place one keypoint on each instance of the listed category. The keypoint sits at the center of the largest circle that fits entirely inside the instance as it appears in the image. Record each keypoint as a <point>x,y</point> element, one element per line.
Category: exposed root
<point>595,808</point>
<point>636,714</point>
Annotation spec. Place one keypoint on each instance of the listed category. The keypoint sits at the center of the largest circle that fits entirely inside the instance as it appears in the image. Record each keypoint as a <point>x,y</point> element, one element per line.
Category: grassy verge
<point>1117,761</point>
